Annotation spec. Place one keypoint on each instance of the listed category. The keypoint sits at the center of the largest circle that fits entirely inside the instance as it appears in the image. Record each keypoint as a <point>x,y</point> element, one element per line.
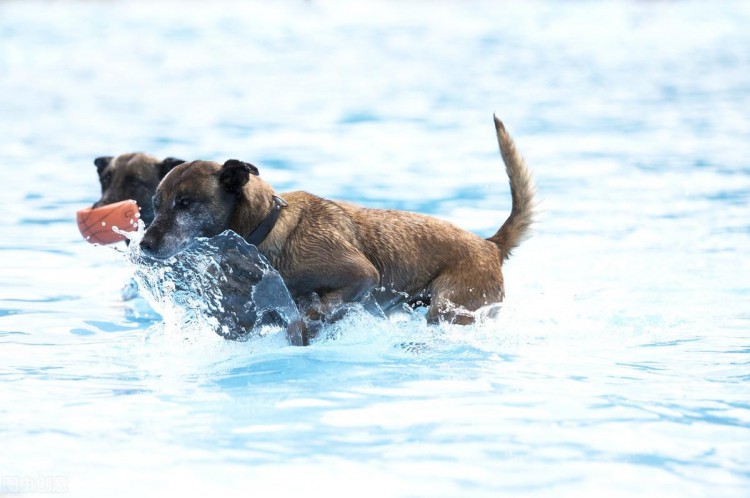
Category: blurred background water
<point>620,362</point>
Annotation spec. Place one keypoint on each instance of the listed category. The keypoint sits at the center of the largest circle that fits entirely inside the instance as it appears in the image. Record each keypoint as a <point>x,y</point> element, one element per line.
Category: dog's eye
<point>106,179</point>
<point>183,202</point>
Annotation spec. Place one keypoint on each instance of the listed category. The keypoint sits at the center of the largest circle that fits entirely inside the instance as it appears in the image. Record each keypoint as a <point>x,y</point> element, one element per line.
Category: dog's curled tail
<point>522,191</point>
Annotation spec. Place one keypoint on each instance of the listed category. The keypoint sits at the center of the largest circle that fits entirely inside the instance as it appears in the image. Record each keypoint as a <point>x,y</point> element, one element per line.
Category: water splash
<point>221,284</point>
<point>225,285</point>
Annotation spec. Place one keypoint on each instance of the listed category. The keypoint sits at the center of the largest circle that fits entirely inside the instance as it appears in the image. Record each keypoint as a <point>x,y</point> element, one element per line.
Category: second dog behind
<point>132,176</point>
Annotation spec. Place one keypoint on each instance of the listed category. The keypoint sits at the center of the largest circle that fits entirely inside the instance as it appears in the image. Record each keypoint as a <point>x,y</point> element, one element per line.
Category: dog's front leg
<point>357,284</point>
<point>348,279</point>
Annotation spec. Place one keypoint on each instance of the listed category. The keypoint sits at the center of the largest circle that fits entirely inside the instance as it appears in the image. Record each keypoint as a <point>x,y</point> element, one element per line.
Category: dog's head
<point>132,176</point>
<point>202,199</point>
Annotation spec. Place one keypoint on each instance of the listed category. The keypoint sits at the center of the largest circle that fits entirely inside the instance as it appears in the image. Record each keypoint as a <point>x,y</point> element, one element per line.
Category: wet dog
<point>132,176</point>
<point>342,252</point>
<point>240,278</point>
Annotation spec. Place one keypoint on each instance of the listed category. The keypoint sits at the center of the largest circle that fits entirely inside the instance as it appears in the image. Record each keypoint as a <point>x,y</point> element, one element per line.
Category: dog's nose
<point>148,245</point>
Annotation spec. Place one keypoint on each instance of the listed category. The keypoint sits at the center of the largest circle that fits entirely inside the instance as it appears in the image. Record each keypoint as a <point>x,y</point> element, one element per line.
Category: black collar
<point>264,228</point>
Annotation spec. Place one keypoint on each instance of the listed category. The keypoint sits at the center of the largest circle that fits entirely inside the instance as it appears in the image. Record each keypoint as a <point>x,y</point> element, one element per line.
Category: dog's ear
<point>235,174</point>
<point>166,166</point>
<point>102,162</point>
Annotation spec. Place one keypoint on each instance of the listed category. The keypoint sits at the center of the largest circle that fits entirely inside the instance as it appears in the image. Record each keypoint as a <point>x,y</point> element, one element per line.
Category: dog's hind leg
<point>448,312</point>
<point>455,301</point>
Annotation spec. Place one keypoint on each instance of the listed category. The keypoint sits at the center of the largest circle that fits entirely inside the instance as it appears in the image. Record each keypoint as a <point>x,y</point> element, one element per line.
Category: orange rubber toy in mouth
<point>96,224</point>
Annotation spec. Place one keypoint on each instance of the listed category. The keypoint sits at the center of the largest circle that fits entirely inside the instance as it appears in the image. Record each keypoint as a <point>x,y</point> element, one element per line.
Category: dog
<point>342,252</point>
<point>240,290</point>
<point>132,176</point>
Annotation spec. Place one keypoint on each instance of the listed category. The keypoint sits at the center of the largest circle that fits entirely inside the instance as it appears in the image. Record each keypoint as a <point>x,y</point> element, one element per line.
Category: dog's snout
<point>148,244</point>
<point>156,244</point>
<point>105,199</point>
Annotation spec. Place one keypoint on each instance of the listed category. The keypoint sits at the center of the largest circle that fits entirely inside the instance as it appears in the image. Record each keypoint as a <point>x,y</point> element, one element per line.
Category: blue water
<point>620,362</point>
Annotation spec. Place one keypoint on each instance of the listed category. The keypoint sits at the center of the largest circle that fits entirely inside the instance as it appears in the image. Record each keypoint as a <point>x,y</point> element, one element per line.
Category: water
<point>619,364</point>
<point>219,285</point>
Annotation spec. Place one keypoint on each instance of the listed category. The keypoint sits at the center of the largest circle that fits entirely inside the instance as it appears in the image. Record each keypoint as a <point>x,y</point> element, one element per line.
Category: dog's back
<point>417,257</point>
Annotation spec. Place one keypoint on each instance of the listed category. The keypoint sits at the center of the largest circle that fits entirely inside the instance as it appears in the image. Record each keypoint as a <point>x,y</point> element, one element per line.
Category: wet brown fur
<point>342,252</point>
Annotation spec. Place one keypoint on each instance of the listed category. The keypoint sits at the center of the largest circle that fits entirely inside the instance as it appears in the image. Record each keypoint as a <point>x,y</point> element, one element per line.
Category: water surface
<point>619,364</point>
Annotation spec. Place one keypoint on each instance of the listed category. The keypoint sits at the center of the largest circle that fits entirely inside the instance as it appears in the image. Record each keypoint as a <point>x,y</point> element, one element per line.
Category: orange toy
<point>96,224</point>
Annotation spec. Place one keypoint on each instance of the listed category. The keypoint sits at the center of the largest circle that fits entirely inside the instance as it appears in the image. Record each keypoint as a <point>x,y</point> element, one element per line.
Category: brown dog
<point>342,252</point>
<point>132,176</point>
